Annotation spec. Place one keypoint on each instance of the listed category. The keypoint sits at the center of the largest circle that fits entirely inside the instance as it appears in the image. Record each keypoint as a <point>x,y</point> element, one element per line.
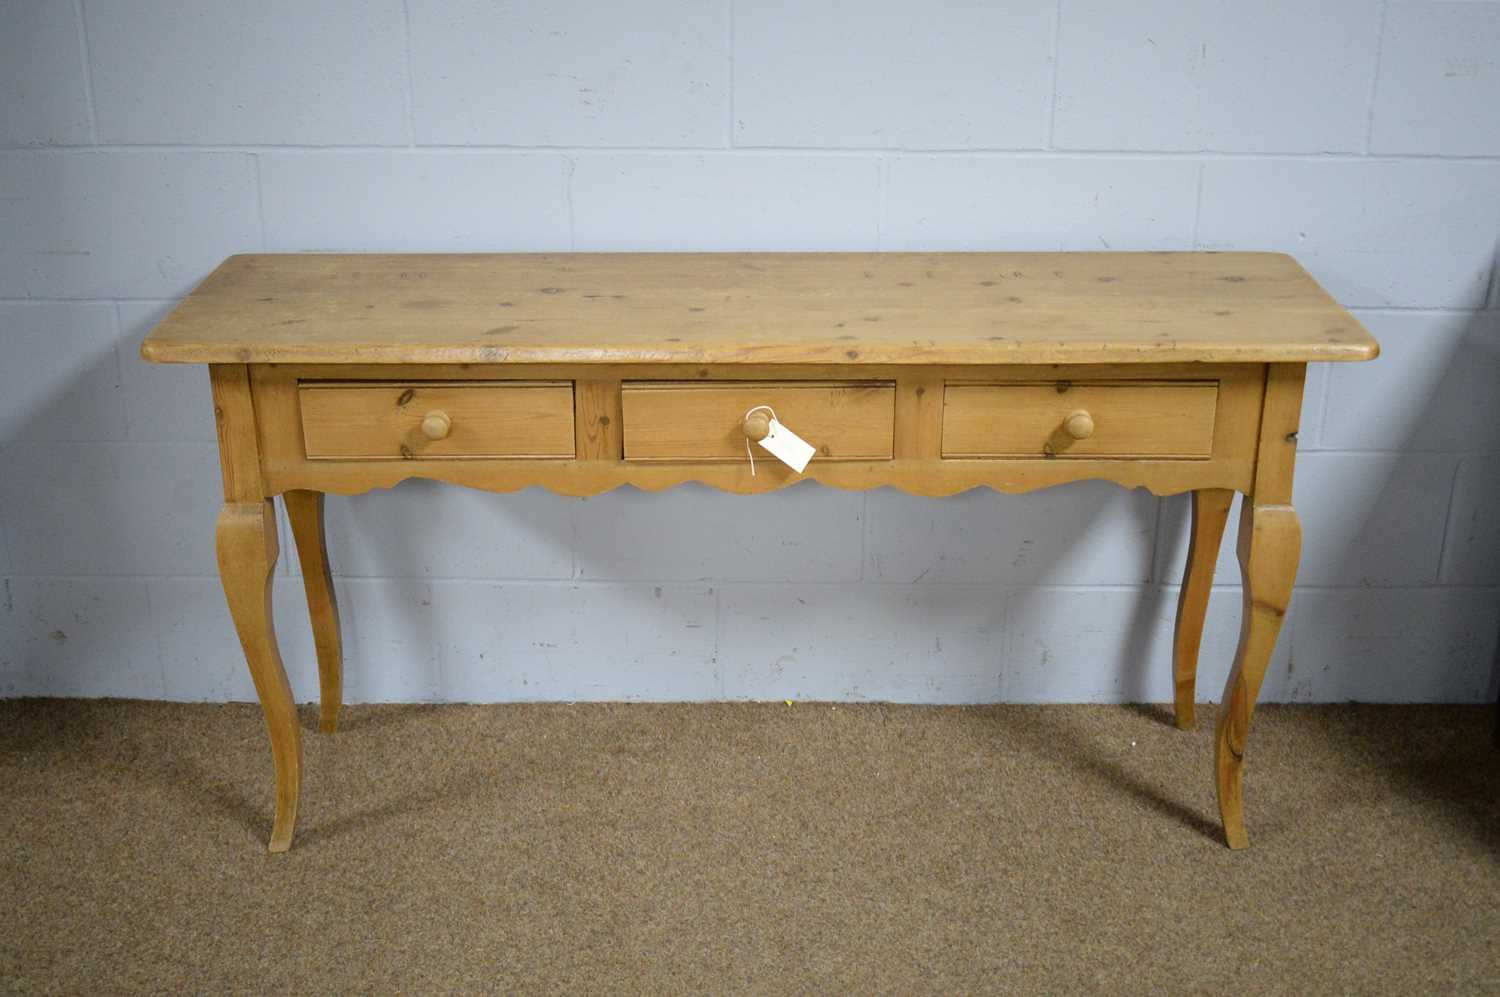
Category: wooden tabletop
<point>728,308</point>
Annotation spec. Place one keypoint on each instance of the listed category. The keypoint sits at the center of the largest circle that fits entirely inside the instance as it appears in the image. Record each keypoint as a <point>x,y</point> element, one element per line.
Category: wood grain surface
<point>690,421</point>
<point>768,308</point>
<point>364,420</point>
<point>1125,419</point>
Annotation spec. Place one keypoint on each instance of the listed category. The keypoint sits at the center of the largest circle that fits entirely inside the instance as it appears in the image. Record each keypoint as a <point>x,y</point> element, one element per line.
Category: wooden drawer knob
<point>757,425</point>
<point>1079,424</point>
<point>436,424</point>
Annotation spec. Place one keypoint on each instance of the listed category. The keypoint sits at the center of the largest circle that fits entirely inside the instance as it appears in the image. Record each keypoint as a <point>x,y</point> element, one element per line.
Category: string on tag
<point>749,452</point>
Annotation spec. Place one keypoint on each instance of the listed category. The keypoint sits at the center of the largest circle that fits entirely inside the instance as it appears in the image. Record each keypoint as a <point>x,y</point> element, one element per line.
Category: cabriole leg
<point>304,510</point>
<point>1270,542</point>
<point>1210,511</point>
<point>246,539</point>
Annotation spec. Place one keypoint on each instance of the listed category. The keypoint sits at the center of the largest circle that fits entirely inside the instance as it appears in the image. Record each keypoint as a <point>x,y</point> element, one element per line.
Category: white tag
<point>787,447</point>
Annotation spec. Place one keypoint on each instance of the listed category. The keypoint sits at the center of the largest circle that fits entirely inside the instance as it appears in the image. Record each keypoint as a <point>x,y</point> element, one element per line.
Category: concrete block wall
<point>144,140</point>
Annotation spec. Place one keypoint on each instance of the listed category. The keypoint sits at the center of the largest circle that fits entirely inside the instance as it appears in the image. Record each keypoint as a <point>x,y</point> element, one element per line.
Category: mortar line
<point>161,656</point>
<point>570,169</point>
<point>1056,61</point>
<point>1008,631</point>
<point>718,639</point>
<point>408,91</point>
<point>573,559</point>
<point>88,72</point>
<point>1414,310</point>
<point>1198,203</point>
<point>203,444</point>
<point>87,301</point>
<point>864,533</point>
<point>260,200</point>
<point>1375,75</point>
<point>117,330</point>
<point>7,554</point>
<point>769,151</point>
<point>729,52</point>
<point>1334,452</point>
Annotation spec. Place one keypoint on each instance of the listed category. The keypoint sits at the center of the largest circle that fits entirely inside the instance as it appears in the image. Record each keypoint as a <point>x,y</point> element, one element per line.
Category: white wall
<point>147,139</point>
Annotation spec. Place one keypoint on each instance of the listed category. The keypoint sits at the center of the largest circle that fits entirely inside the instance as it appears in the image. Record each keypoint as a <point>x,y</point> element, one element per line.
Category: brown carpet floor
<point>747,848</point>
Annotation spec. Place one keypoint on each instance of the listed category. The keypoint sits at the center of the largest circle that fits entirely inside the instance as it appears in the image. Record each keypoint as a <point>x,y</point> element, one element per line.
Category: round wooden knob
<point>1079,425</point>
<point>757,425</point>
<point>436,424</point>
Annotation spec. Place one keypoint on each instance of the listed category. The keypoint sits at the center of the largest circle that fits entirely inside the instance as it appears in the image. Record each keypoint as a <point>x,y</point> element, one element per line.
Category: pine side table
<point>930,372</point>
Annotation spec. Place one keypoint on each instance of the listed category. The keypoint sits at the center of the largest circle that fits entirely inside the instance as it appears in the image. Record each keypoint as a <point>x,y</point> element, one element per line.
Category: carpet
<point>747,848</point>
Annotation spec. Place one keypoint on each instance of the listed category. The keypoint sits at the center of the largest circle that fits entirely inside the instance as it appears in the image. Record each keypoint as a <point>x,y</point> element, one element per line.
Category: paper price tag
<point>787,447</point>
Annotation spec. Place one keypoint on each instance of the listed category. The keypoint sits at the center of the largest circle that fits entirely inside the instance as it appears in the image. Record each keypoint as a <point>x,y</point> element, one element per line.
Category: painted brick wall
<point>144,140</point>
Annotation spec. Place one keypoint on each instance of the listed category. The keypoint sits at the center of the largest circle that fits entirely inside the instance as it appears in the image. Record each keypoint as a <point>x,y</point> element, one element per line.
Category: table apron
<point>919,419</point>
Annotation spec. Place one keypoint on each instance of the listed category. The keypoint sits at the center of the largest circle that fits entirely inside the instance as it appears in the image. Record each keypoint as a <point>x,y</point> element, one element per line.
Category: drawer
<point>671,420</point>
<point>1062,419</point>
<point>369,420</point>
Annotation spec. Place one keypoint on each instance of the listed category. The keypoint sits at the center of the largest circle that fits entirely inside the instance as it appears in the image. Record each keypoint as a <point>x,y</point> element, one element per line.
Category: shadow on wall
<point>438,580</point>
<point>695,594</point>
<point>63,630</point>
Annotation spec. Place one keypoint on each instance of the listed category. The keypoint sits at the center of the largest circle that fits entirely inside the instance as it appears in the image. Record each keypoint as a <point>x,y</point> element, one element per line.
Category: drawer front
<point>843,420</point>
<point>1161,420</point>
<point>347,420</point>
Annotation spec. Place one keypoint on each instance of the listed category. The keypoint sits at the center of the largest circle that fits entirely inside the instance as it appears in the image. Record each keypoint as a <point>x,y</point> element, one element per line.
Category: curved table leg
<point>246,539</point>
<point>1270,542</point>
<point>304,510</point>
<point>1210,511</point>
